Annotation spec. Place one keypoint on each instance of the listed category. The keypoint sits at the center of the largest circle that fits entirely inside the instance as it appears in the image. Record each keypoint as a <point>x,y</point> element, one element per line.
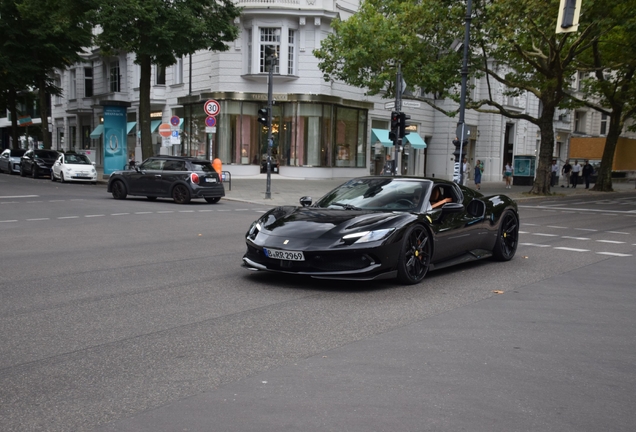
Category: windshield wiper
<point>346,206</point>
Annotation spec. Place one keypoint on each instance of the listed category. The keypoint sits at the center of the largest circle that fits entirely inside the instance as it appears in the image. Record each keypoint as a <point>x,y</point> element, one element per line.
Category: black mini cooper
<point>179,178</point>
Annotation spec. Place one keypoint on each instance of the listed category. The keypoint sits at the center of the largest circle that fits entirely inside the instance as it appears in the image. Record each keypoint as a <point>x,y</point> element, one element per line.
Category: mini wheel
<point>118,189</point>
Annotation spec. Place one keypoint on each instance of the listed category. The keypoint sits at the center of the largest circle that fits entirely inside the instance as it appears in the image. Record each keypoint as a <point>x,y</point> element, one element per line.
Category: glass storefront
<point>304,134</point>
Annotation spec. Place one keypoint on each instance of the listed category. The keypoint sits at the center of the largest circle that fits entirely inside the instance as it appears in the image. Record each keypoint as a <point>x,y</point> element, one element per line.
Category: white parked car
<point>10,160</point>
<point>73,167</point>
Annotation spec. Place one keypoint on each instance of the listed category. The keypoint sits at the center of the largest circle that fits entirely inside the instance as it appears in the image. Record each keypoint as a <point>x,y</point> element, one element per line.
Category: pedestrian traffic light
<point>263,116</point>
<point>403,125</point>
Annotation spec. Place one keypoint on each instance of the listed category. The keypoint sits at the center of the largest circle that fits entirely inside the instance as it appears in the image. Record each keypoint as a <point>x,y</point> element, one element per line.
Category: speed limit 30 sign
<point>212,107</point>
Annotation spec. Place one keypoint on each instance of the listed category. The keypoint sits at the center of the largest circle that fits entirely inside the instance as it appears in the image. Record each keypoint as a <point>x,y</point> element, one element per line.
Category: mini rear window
<point>202,165</point>
<point>17,152</point>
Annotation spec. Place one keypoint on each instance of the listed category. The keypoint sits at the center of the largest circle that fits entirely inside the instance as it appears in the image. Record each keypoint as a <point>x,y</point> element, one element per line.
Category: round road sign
<point>210,121</point>
<point>164,130</point>
<point>174,120</point>
<point>212,107</point>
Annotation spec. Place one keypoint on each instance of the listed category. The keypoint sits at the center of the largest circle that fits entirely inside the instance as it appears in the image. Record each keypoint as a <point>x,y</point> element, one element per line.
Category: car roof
<point>184,158</point>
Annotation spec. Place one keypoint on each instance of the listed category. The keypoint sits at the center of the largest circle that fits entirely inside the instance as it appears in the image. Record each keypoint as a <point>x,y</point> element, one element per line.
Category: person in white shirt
<point>466,171</point>
<point>576,170</point>
<point>555,172</point>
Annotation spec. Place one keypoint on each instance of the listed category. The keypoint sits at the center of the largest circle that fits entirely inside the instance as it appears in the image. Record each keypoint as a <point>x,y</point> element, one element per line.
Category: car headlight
<point>367,236</point>
<point>254,230</point>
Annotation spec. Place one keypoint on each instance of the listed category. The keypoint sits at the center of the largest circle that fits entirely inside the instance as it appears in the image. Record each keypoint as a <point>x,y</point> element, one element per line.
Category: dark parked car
<point>384,227</point>
<point>10,160</point>
<point>179,178</point>
<point>37,163</point>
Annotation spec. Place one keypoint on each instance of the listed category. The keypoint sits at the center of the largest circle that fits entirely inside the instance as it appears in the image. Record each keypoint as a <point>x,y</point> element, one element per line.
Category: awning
<point>415,140</point>
<point>381,135</point>
<point>154,125</point>
<point>97,132</point>
<point>181,124</point>
<point>129,126</point>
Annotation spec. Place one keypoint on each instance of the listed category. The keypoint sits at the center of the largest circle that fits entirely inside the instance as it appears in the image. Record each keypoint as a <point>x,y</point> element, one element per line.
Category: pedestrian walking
<point>508,173</point>
<point>574,176</point>
<point>565,173</point>
<point>479,168</point>
<point>588,170</point>
<point>554,173</point>
<point>466,171</point>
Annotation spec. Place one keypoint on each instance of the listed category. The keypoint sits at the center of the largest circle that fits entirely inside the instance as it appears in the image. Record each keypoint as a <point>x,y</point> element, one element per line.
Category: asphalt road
<point>136,315</point>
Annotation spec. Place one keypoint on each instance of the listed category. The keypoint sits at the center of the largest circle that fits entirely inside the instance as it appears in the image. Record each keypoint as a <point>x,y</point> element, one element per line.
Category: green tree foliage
<point>158,32</point>
<point>611,89</point>
<point>513,45</point>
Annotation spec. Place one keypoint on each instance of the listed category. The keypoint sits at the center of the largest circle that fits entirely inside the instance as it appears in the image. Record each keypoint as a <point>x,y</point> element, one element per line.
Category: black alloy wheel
<point>507,237</point>
<point>213,200</point>
<point>118,189</point>
<point>181,194</point>
<point>415,257</point>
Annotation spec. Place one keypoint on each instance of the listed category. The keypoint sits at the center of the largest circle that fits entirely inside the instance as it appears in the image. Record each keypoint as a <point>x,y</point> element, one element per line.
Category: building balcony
<point>287,4</point>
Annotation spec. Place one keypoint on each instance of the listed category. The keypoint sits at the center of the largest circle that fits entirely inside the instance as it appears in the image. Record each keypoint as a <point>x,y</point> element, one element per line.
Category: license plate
<point>210,180</point>
<point>284,255</point>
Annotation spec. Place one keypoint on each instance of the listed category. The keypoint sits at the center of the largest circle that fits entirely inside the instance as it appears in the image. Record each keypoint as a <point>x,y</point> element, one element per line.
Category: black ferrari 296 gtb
<point>384,227</point>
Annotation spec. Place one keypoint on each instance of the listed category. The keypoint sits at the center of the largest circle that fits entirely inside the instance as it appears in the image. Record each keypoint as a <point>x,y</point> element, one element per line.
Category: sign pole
<point>270,79</point>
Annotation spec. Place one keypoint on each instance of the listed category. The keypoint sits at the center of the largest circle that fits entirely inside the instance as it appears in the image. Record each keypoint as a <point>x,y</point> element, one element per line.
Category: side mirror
<point>452,208</point>
<point>137,168</point>
<point>93,163</point>
<point>305,201</point>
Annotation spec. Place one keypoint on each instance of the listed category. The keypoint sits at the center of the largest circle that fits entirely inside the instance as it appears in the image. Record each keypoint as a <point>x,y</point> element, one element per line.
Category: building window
<point>579,122</point>
<point>249,51</point>
<point>88,82</point>
<point>604,124</point>
<point>72,93</point>
<point>114,78</point>
<point>290,52</point>
<point>178,71</point>
<point>161,75</point>
<point>270,38</point>
<point>58,84</point>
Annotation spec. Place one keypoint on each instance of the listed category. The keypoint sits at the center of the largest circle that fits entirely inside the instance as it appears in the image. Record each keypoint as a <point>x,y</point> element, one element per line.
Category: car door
<point>5,164</point>
<point>57,166</point>
<point>173,170</point>
<point>26,165</point>
<point>145,180</point>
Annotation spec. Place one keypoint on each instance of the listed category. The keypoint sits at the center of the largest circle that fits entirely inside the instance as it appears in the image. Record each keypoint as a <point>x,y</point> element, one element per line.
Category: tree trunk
<point>144,105</point>
<point>15,132</point>
<point>604,177</point>
<point>44,113</point>
<point>541,184</point>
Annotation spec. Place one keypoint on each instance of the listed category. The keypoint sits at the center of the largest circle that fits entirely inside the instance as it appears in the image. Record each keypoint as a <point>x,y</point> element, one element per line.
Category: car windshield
<point>77,159</point>
<point>45,154</point>
<point>377,194</point>
<point>202,165</point>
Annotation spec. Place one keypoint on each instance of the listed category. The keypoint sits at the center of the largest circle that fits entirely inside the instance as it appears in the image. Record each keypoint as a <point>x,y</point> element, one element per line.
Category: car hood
<point>314,222</point>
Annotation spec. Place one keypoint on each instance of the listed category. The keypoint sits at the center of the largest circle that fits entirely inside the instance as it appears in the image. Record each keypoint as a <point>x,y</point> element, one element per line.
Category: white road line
<point>550,211</point>
<point>534,244</point>
<point>572,249</point>
<point>78,199</point>
<point>586,229</point>
<point>68,217</point>
<point>566,209</point>
<point>545,235</point>
<point>607,214</point>
<point>241,210</point>
<point>569,212</point>
<point>616,232</point>
<point>15,220</point>
<point>19,196</point>
<point>575,238</point>
<point>558,227</point>
<point>93,215</point>
<point>614,254</point>
<point>186,211</point>
<point>524,232</point>
<point>529,224</point>
<point>224,210</point>
<point>205,211</point>
<point>38,219</point>
<point>143,212</point>
<point>32,202</point>
<point>119,214</point>
<point>57,200</point>
<point>166,211</point>
<point>9,202</point>
<point>610,241</point>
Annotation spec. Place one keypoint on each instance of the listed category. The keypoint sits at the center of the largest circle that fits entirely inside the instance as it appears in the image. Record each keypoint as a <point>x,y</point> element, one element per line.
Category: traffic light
<point>263,116</point>
<point>395,125</point>
<point>403,125</point>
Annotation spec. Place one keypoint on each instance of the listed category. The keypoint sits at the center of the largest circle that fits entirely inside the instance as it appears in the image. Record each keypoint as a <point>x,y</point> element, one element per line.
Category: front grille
<point>314,262</point>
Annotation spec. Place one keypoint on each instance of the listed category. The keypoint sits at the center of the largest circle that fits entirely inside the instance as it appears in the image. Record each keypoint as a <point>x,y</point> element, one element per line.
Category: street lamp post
<point>272,61</point>
<point>461,124</point>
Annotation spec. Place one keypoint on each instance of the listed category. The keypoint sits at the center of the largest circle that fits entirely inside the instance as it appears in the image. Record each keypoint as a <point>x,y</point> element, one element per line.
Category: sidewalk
<point>287,191</point>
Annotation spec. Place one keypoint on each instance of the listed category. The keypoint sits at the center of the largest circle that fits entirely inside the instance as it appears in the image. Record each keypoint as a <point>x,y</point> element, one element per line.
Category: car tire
<point>118,189</point>
<point>151,198</point>
<point>52,176</point>
<point>181,194</point>
<point>507,237</point>
<point>415,255</point>
<point>213,200</point>
<point>62,177</point>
